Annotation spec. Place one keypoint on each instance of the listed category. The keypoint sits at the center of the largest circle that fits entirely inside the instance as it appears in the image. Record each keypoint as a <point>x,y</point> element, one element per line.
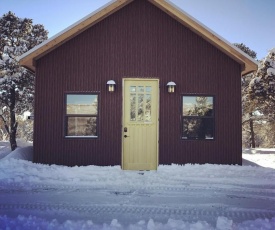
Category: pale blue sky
<point>251,22</point>
<point>81,99</point>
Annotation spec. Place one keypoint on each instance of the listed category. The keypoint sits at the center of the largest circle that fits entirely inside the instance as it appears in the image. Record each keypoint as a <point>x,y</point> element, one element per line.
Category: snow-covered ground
<point>260,156</point>
<point>36,196</point>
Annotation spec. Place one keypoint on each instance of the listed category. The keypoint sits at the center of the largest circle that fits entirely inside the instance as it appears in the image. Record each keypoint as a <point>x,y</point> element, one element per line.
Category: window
<point>81,115</point>
<point>197,117</point>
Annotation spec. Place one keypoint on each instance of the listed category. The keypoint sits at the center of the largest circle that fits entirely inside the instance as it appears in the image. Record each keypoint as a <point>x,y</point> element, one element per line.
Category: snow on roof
<point>248,64</point>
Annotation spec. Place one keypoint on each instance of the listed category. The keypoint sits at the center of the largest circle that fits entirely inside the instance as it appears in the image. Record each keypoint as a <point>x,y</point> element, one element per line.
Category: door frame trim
<point>122,121</point>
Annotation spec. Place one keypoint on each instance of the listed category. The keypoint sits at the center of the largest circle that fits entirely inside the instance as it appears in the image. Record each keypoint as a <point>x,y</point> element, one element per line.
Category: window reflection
<point>197,106</point>
<point>148,107</point>
<point>198,128</point>
<point>140,103</point>
<point>140,107</point>
<point>140,88</point>
<point>81,126</point>
<point>148,89</point>
<point>133,107</point>
<point>81,115</point>
<point>197,117</point>
<point>82,104</point>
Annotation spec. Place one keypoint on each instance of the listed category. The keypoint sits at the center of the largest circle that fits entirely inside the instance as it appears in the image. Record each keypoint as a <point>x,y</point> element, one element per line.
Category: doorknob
<point>126,136</point>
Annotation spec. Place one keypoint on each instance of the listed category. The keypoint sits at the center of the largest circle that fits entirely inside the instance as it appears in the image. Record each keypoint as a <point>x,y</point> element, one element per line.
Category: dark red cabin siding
<point>140,41</point>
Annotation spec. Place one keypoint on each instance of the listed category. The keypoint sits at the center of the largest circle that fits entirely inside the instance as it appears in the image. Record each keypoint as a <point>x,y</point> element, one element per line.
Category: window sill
<point>81,137</point>
<point>197,139</point>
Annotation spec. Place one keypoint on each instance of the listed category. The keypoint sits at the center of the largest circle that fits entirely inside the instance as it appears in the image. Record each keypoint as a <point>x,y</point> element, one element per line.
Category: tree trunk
<point>13,123</point>
<point>252,134</point>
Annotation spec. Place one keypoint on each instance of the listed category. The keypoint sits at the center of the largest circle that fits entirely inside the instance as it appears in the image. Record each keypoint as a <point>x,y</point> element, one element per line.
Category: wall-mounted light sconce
<point>111,85</point>
<point>171,86</point>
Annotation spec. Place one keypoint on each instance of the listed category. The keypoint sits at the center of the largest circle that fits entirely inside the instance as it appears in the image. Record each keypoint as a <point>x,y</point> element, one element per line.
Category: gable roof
<point>29,58</point>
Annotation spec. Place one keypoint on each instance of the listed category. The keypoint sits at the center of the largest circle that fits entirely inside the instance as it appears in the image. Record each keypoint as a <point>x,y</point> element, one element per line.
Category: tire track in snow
<point>132,193</point>
<point>236,188</point>
<point>99,210</point>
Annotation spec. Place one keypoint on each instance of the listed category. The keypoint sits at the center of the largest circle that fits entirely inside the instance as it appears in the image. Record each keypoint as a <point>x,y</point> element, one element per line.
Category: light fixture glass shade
<point>171,86</point>
<point>111,88</point>
<point>111,85</point>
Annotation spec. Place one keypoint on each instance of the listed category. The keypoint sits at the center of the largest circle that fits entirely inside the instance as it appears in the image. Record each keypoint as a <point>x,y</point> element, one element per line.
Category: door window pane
<point>148,89</point>
<point>140,103</point>
<point>140,107</point>
<point>133,107</point>
<point>148,107</point>
<point>140,88</point>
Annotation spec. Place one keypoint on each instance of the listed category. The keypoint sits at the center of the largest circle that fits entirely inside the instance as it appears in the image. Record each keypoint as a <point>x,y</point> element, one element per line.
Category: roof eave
<point>248,64</point>
<point>29,58</point>
<point>249,69</point>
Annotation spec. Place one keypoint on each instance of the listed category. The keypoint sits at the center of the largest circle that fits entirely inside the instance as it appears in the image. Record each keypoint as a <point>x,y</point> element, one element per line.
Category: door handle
<point>126,136</point>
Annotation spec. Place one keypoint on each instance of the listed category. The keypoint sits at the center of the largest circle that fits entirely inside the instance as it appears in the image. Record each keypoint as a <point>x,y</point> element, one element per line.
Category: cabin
<point>137,83</point>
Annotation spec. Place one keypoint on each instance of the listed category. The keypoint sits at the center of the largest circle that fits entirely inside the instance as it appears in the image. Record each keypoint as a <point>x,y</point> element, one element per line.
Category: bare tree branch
<point>5,124</point>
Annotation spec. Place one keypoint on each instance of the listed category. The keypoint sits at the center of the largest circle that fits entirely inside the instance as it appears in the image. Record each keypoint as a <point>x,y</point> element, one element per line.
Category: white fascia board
<point>65,30</point>
<point>212,32</point>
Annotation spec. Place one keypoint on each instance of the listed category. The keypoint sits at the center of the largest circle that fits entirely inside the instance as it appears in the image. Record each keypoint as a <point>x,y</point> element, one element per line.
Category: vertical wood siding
<point>141,41</point>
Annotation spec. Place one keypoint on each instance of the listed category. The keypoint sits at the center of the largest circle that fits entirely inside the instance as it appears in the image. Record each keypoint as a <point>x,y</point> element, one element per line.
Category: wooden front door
<point>140,124</point>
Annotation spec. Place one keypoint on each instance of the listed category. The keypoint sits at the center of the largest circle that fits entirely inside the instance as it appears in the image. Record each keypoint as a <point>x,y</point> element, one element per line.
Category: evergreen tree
<point>246,49</point>
<point>17,36</point>
<point>262,89</point>
<point>249,105</point>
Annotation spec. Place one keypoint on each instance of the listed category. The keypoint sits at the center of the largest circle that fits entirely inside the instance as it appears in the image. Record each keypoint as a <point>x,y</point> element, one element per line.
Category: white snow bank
<point>4,148</point>
<point>26,173</point>
<point>221,197</point>
<point>22,143</point>
<point>223,223</point>
<point>264,157</point>
<point>31,222</point>
<point>259,150</point>
<point>259,224</point>
<point>25,153</point>
<point>15,170</point>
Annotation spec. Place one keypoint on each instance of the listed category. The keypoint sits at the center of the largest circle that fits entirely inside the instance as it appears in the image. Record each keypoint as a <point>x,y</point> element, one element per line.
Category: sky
<point>81,99</point>
<point>251,22</point>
